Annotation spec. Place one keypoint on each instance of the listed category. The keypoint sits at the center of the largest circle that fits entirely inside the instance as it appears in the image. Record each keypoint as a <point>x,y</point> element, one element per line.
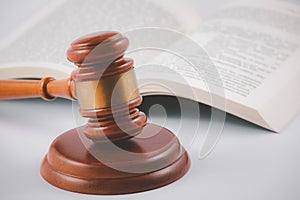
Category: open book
<point>253,46</point>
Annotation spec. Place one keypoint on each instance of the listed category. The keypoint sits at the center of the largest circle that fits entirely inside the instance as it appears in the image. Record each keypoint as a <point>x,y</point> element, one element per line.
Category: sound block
<point>150,160</point>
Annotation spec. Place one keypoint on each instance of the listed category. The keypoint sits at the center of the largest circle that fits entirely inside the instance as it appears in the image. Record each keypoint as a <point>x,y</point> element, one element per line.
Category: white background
<point>247,163</point>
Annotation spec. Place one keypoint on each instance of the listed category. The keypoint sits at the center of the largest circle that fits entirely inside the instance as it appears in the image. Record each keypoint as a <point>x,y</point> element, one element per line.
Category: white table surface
<point>248,162</point>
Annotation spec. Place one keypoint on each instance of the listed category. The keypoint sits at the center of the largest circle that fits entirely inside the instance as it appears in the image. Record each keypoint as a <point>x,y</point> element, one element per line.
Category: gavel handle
<point>47,88</point>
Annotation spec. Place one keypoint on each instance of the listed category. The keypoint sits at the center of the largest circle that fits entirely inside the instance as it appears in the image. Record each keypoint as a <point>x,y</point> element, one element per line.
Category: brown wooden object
<point>47,88</point>
<point>117,152</point>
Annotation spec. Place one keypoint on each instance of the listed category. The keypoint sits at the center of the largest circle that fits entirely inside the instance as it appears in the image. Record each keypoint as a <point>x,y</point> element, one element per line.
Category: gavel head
<point>106,87</point>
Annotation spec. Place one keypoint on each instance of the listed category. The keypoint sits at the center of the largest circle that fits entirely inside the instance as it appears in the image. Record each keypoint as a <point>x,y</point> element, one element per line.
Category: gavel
<point>117,151</point>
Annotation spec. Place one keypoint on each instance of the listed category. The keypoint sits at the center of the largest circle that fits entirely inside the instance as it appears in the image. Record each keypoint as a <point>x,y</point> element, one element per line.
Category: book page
<point>43,41</point>
<point>246,42</point>
<point>254,48</point>
<point>249,43</point>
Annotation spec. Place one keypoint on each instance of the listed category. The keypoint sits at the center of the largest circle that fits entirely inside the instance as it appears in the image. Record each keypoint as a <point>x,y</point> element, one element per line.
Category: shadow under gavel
<point>117,152</point>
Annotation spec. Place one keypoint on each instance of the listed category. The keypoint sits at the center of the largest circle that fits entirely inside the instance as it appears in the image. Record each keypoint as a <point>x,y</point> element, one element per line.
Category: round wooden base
<point>150,160</point>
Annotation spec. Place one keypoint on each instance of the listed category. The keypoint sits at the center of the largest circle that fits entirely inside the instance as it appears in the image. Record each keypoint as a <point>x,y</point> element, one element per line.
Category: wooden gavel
<point>83,54</point>
<point>106,89</point>
<point>102,71</point>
